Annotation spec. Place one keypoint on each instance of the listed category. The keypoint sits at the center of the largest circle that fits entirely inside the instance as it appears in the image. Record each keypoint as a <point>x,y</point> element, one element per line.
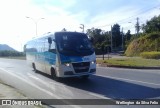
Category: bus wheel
<point>85,77</point>
<point>53,74</point>
<point>34,67</point>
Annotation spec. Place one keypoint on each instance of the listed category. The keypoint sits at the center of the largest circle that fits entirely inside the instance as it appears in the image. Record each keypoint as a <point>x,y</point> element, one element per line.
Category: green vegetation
<point>12,54</point>
<point>134,44</point>
<point>152,25</point>
<point>150,55</point>
<point>8,53</point>
<point>18,57</point>
<point>101,39</point>
<point>133,62</point>
<point>147,43</point>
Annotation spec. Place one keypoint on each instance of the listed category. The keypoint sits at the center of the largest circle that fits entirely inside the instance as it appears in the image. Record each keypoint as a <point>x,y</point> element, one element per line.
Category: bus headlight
<point>93,62</point>
<point>67,64</point>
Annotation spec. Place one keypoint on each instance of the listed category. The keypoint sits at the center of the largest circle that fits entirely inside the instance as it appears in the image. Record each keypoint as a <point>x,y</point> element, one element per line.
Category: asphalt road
<point>107,83</point>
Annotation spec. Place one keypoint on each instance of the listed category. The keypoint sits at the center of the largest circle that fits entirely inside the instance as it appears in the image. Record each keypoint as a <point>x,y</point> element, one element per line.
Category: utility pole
<point>137,26</point>
<point>82,27</point>
<point>122,38</point>
<point>111,39</point>
<point>35,21</point>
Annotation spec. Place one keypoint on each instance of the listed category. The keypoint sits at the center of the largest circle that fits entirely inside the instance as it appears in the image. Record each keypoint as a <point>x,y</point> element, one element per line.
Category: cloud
<point>105,20</point>
<point>101,12</point>
<point>59,14</point>
<point>15,28</point>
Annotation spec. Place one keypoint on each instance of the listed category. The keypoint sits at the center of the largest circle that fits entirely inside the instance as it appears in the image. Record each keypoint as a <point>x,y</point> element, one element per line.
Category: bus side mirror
<point>50,40</point>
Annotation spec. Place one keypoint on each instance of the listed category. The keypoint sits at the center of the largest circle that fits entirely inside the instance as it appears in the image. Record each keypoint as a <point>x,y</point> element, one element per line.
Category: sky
<point>19,17</point>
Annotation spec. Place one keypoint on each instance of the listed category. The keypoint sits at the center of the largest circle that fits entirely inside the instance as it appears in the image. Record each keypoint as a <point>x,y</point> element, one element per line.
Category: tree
<point>128,38</point>
<point>128,35</point>
<point>95,34</point>
<point>152,25</point>
<point>116,35</point>
<point>101,39</point>
<point>7,53</point>
<point>143,28</point>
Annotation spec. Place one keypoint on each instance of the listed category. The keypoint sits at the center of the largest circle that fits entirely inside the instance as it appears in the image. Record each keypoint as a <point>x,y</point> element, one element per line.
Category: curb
<point>128,67</point>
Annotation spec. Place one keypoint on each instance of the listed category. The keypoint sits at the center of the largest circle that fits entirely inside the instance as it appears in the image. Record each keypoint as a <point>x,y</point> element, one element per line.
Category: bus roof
<point>51,34</point>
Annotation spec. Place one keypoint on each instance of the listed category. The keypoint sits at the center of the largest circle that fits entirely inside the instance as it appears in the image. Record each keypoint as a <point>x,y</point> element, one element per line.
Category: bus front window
<point>74,44</point>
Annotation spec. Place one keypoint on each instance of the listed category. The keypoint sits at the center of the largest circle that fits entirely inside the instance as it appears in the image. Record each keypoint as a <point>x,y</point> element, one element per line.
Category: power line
<point>140,13</point>
<point>124,20</point>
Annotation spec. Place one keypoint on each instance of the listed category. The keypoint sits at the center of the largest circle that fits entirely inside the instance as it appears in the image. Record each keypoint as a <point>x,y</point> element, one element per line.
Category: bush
<point>150,55</point>
<point>8,53</point>
<point>146,43</point>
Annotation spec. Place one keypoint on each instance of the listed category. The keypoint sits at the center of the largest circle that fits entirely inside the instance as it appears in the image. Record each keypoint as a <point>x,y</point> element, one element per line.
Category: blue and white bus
<point>62,54</point>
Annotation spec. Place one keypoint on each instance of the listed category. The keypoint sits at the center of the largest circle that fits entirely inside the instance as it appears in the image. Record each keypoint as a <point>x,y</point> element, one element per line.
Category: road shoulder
<point>9,92</point>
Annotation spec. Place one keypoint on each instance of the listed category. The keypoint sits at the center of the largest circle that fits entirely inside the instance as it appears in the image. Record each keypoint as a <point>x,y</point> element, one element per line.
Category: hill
<point>147,43</point>
<point>6,47</point>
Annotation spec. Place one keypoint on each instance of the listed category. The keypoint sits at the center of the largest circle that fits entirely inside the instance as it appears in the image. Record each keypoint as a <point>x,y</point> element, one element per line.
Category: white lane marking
<point>30,83</point>
<point>128,80</point>
<point>137,70</point>
<point>48,92</point>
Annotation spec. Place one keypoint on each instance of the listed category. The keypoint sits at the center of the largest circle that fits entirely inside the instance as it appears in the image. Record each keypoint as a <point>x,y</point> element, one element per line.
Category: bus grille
<point>81,67</point>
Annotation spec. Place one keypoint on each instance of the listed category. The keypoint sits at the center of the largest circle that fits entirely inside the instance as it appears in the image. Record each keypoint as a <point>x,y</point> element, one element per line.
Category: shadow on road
<point>111,88</point>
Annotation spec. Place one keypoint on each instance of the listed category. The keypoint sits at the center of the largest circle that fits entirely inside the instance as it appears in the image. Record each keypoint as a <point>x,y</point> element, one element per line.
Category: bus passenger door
<point>40,57</point>
<point>50,58</point>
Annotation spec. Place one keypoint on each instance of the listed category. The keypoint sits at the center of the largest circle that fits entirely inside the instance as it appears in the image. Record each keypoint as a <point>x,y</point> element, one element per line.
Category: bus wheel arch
<point>34,67</point>
<point>53,73</point>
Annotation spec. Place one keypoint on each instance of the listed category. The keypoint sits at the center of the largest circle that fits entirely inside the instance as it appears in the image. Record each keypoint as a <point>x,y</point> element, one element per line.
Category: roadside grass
<point>133,61</point>
<point>18,57</point>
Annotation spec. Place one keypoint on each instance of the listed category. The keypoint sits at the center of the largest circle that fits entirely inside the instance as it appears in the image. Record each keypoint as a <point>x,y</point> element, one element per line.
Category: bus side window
<point>51,46</point>
<point>45,45</point>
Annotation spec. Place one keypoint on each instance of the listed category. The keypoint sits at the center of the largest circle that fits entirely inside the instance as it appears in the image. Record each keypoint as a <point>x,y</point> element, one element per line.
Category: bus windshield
<point>74,44</point>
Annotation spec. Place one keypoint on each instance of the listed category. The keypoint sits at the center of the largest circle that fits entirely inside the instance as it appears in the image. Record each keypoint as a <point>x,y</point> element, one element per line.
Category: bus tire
<point>34,67</point>
<point>53,74</point>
